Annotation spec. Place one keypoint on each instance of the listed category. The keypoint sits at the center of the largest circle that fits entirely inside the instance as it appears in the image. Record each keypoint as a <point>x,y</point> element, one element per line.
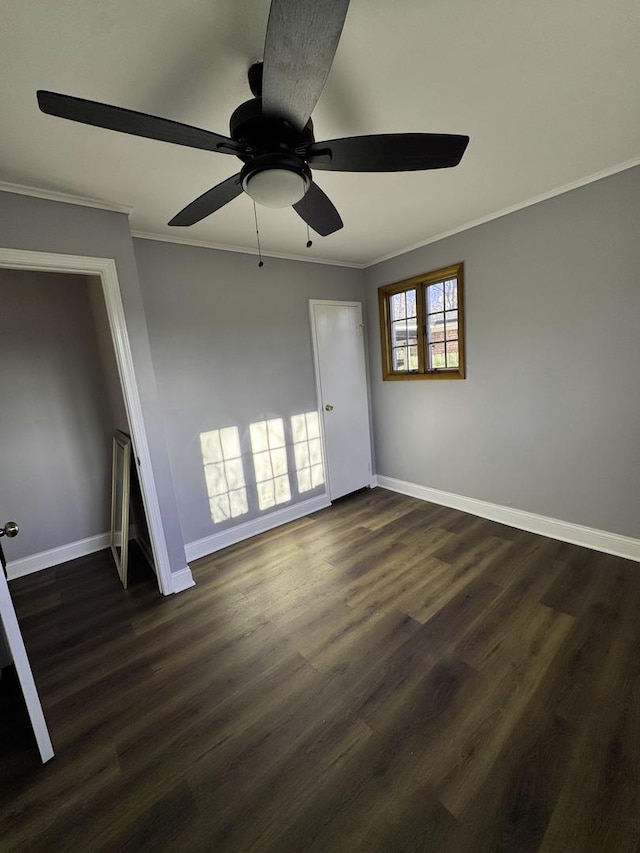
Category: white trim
<point>565,188</point>
<point>566,531</point>
<point>182,580</point>
<point>23,669</point>
<point>68,198</point>
<point>106,269</point>
<point>243,250</point>
<point>65,198</point>
<point>210,544</point>
<point>54,556</point>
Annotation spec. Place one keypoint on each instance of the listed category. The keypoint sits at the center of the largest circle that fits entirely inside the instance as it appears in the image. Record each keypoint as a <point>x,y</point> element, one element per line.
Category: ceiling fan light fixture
<point>276,180</point>
<point>276,187</point>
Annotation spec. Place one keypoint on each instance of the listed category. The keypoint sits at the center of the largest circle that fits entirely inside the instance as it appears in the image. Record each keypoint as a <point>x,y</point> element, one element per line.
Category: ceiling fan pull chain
<point>309,240</point>
<point>255,216</point>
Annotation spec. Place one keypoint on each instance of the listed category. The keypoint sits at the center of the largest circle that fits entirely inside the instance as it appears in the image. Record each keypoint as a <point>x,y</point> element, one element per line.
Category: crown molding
<point>243,250</point>
<point>68,198</point>
<point>565,188</point>
<point>65,198</point>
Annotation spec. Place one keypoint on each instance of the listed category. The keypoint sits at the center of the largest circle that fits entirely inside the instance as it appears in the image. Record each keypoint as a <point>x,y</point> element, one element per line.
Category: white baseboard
<point>182,579</point>
<point>54,556</point>
<point>566,531</point>
<point>245,530</point>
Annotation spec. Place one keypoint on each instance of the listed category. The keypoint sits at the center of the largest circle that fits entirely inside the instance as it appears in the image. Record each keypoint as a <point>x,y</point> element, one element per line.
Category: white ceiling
<point>547,91</point>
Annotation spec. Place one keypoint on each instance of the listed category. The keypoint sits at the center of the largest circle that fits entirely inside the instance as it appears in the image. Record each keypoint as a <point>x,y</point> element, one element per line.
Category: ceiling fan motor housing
<point>274,144</point>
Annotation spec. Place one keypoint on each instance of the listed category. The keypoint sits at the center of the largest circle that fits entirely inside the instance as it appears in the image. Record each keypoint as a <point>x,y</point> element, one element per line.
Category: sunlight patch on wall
<point>307,449</point>
<point>270,462</point>
<point>224,473</point>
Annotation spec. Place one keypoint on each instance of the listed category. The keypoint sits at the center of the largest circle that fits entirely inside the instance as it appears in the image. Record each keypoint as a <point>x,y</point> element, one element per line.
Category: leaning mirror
<point>120,502</point>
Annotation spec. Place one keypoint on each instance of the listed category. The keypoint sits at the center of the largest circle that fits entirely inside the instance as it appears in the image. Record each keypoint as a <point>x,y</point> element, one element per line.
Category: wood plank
<point>384,675</point>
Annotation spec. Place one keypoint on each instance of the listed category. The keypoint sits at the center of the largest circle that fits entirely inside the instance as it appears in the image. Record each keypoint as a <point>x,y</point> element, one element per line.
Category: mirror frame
<point>120,472</point>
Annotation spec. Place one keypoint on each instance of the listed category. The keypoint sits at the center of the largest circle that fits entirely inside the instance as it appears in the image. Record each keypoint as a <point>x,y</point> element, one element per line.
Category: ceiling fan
<point>272,134</point>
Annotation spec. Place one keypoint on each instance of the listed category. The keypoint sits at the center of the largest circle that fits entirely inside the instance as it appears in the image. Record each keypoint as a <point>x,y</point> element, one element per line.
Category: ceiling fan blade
<point>388,152</point>
<point>209,202</point>
<point>302,39</point>
<point>318,211</point>
<point>137,124</point>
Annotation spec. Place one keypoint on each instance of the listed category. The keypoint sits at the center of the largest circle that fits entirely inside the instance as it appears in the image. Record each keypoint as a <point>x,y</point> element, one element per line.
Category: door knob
<point>328,407</point>
<point>10,529</point>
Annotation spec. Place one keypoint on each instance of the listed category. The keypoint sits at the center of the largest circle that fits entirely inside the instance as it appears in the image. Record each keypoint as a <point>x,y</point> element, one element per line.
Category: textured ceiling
<point>547,91</point>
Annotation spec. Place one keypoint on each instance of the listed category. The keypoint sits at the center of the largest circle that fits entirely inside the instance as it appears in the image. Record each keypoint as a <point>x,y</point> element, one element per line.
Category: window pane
<point>436,356</point>
<point>398,333</point>
<point>435,297</point>
<point>451,293</point>
<point>413,358</point>
<point>452,354</point>
<point>411,303</point>
<point>452,325</point>
<point>435,327</point>
<point>400,358</point>
<point>412,332</point>
<point>398,306</point>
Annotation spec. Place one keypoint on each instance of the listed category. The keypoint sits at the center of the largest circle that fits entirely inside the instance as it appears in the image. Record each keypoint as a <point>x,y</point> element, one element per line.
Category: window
<point>422,326</point>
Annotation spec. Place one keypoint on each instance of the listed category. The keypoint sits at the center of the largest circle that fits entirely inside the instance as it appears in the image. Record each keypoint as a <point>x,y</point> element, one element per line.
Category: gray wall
<point>231,345</point>
<point>48,226</point>
<point>55,418</point>
<point>548,419</point>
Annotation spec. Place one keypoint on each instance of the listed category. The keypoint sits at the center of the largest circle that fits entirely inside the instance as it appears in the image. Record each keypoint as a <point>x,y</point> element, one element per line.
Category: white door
<point>338,344</point>
<point>10,629</point>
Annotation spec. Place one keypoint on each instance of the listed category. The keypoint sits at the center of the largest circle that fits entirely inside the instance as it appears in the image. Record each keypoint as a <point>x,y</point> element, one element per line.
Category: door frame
<point>105,269</point>
<point>316,367</point>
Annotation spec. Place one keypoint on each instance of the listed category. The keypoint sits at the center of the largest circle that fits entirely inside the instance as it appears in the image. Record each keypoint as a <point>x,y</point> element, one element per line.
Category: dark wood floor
<point>386,675</point>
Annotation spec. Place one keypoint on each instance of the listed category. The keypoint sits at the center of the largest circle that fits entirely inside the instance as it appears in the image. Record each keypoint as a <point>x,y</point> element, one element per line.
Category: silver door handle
<point>10,529</point>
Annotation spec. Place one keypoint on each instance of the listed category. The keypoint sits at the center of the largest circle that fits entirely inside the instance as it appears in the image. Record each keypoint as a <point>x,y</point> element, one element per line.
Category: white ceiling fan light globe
<point>276,187</point>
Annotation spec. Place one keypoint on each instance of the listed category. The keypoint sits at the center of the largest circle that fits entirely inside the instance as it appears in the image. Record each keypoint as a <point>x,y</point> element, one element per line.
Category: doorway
<point>106,274</point>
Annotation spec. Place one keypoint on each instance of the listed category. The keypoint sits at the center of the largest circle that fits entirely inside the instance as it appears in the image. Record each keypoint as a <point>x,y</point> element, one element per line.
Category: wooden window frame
<point>419,284</point>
